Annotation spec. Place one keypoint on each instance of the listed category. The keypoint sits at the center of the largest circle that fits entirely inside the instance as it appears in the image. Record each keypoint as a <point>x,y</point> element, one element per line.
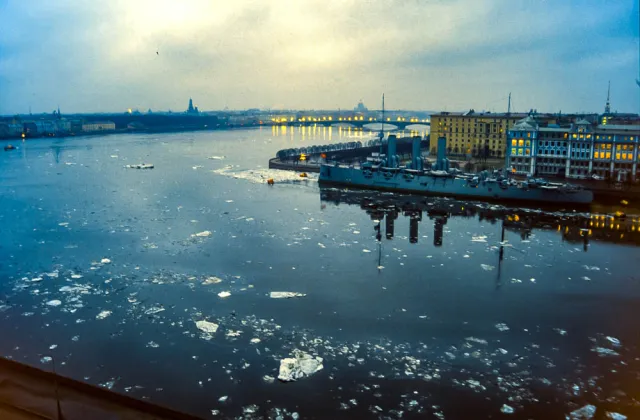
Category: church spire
<point>607,107</point>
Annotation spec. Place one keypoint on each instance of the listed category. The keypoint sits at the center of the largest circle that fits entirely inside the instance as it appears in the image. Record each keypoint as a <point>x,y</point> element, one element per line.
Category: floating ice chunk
<point>603,351</point>
<point>53,347</point>
<point>507,409</point>
<point>585,278</point>
<point>268,379</point>
<point>196,167</point>
<point>584,413</point>
<point>228,201</point>
<point>103,314</point>
<point>254,340</point>
<point>54,302</point>
<point>366,250</point>
<point>465,256</point>
<point>321,245</point>
<point>46,359</point>
<point>300,365</point>
<point>591,268</point>
<point>285,295</point>
<point>224,294</point>
<point>502,327</point>
<point>212,280</point>
<point>215,412</point>
<point>75,338</point>
<point>76,276</point>
<point>250,409</point>
<point>476,340</point>
<point>480,238</point>
<point>4,307</point>
<point>232,333</point>
<point>63,224</point>
<point>613,341</point>
<point>154,310</point>
<point>204,234</point>
<point>380,267</point>
<point>503,351</point>
<point>108,384</point>
<point>216,157</point>
<point>206,326</point>
<point>223,398</point>
<point>53,274</point>
<point>153,344</point>
<point>560,331</point>
<point>615,416</point>
<point>105,261</point>
<point>487,267</point>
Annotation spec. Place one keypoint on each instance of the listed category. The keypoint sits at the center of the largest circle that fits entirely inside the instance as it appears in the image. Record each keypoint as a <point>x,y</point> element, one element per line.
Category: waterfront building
<point>474,133</point>
<point>582,149</point>
<point>98,126</point>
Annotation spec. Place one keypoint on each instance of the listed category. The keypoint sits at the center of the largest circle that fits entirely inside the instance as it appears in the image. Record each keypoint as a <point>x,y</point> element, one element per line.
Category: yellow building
<point>468,133</point>
<point>99,126</point>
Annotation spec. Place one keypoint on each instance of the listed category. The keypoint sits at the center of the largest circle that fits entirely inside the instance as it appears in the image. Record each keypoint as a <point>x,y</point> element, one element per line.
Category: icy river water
<point>419,308</point>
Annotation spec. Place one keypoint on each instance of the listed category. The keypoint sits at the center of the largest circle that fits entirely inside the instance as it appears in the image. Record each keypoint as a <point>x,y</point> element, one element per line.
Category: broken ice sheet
<point>585,413</point>
<point>103,314</point>
<point>206,326</point>
<point>300,365</point>
<point>54,302</point>
<point>224,294</point>
<point>285,295</point>
<point>502,327</point>
<point>204,234</point>
<point>487,267</point>
<point>212,280</point>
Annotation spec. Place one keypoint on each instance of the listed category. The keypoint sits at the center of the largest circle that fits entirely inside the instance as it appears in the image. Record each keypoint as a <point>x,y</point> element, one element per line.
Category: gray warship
<point>383,172</point>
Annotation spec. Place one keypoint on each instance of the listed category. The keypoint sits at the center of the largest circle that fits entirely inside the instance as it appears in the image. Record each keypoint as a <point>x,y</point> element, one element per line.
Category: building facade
<point>473,133</point>
<point>580,150</point>
<point>99,126</point>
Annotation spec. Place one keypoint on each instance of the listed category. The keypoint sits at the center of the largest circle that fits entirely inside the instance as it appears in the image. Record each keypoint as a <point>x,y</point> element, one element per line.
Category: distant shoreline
<point>130,131</point>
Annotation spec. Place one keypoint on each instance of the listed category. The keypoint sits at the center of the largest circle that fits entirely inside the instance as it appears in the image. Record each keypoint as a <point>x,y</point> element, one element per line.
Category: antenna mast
<point>509,105</point>
<point>607,107</point>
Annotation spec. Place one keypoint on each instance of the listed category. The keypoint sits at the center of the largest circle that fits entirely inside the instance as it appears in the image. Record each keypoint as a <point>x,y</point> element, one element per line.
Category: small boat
<point>9,147</point>
<point>140,166</point>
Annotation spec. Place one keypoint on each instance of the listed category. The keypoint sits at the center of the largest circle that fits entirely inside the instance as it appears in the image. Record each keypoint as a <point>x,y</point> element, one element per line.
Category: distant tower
<point>190,109</point>
<point>59,116</point>
<point>607,107</point>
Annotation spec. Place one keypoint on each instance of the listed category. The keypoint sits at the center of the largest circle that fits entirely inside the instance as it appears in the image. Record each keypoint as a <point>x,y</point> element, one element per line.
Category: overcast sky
<point>91,55</point>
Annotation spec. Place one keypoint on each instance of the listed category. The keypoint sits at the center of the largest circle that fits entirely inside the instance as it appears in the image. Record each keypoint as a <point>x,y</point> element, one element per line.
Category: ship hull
<point>447,186</point>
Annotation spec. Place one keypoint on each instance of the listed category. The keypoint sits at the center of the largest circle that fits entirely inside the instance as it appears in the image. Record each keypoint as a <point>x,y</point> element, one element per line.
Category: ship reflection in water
<point>576,228</point>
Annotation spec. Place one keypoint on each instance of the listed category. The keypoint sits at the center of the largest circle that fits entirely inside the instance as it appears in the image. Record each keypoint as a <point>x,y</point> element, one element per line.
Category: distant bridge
<point>353,121</point>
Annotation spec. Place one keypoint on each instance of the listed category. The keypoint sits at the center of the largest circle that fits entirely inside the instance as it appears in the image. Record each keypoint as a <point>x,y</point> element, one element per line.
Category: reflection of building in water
<point>579,229</point>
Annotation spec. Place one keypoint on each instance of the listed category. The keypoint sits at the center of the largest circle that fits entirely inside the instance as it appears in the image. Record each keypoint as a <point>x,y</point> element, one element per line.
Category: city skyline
<point>318,55</point>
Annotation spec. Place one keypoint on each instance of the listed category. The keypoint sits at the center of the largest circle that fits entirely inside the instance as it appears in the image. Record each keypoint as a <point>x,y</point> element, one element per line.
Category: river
<point>426,308</point>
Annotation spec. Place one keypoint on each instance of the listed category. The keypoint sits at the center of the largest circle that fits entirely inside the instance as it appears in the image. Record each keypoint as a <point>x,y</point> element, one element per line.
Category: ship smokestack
<point>415,153</point>
<point>392,159</point>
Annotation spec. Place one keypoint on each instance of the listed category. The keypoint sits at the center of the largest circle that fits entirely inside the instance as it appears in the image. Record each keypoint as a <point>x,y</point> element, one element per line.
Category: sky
<point>454,55</point>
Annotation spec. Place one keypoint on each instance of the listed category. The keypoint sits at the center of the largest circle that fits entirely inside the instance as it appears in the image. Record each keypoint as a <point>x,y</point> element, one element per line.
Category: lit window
<point>624,156</point>
<point>575,136</point>
<point>609,137</point>
<point>617,156</point>
<point>631,138</point>
<point>519,152</point>
<point>513,150</point>
<point>631,147</point>
<point>566,135</point>
<point>624,147</point>
<point>528,142</point>
<point>588,136</point>
<point>529,135</point>
<point>596,155</point>
<point>520,142</point>
<point>581,136</point>
<point>528,152</point>
<point>597,137</point>
<point>514,142</point>
<point>609,146</point>
<point>608,155</point>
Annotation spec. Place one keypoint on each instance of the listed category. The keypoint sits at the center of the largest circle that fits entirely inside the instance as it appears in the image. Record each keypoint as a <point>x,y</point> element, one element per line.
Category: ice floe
<point>300,365</point>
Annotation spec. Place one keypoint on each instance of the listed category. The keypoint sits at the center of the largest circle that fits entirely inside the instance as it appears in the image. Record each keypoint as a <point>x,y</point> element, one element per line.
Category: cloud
<point>458,54</point>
